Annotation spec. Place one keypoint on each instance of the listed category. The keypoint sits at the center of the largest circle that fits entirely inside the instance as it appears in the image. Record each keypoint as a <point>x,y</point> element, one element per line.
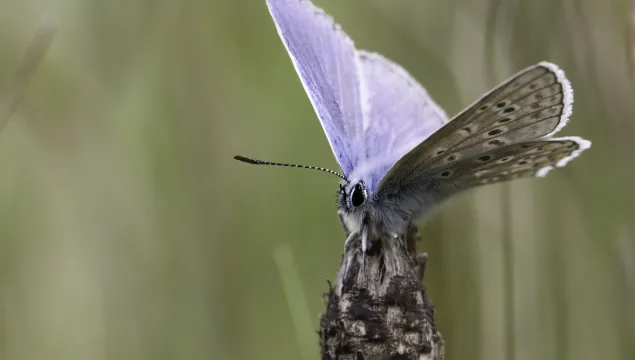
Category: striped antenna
<point>262,162</point>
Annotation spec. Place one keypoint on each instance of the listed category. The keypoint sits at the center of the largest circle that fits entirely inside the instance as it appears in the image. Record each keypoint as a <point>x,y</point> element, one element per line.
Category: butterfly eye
<point>359,195</point>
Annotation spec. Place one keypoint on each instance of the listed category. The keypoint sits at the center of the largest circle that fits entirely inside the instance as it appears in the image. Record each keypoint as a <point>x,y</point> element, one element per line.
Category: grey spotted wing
<point>504,135</point>
<point>526,159</point>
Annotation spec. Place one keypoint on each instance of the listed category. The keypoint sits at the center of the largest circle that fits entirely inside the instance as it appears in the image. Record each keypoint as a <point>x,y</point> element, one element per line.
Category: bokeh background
<point>128,232</point>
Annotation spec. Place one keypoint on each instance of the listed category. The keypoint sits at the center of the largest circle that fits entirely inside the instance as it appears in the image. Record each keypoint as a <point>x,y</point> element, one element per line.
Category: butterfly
<point>399,154</point>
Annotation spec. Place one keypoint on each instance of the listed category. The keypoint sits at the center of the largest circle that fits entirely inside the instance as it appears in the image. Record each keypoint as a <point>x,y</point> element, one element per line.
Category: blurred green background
<point>128,232</point>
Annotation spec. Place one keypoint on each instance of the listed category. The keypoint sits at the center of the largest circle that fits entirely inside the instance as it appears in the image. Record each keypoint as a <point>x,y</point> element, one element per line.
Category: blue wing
<point>398,115</point>
<point>326,61</point>
<point>371,110</point>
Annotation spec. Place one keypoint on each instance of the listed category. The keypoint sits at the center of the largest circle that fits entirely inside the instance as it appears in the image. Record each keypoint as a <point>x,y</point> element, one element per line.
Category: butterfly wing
<point>326,62</point>
<point>398,115</point>
<point>371,110</point>
<point>526,159</point>
<point>502,136</point>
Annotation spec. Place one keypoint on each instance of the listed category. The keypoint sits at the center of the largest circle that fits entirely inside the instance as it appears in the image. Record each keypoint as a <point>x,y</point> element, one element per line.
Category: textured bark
<point>378,308</point>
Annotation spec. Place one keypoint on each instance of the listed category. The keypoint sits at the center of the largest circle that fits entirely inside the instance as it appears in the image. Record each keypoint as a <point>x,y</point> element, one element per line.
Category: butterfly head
<point>352,195</point>
<point>358,194</point>
<point>354,205</point>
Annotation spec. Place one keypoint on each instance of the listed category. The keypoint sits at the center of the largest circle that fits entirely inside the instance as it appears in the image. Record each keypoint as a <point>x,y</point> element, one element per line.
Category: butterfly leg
<point>364,238</point>
<point>350,238</point>
<point>364,245</point>
<point>346,229</point>
<point>350,234</point>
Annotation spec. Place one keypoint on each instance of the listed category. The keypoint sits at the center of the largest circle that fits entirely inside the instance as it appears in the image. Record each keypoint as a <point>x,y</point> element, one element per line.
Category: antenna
<point>262,162</point>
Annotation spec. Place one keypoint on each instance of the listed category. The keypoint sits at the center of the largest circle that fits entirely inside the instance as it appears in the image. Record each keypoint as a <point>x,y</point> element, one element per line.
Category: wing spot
<point>451,158</point>
<point>504,120</point>
<point>440,151</point>
<point>446,174</point>
<point>504,160</point>
<point>501,104</point>
<point>535,116</point>
<point>535,106</point>
<point>496,142</point>
<point>484,107</point>
<point>467,129</point>
<point>539,96</point>
<point>485,158</point>
<point>509,110</point>
<point>522,162</point>
<point>533,86</point>
<point>495,132</point>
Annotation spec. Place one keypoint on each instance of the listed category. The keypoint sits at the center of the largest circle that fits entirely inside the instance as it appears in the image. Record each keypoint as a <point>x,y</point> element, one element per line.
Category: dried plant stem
<point>378,308</point>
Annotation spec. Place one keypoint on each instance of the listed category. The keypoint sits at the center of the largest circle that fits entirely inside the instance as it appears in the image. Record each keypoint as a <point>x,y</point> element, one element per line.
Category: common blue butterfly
<point>400,155</point>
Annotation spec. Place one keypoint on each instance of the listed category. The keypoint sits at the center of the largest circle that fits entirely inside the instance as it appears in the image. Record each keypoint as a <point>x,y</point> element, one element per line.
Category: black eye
<point>359,195</point>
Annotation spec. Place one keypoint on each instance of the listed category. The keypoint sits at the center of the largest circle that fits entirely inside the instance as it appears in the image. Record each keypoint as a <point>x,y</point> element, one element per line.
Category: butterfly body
<point>400,154</point>
<point>359,207</point>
